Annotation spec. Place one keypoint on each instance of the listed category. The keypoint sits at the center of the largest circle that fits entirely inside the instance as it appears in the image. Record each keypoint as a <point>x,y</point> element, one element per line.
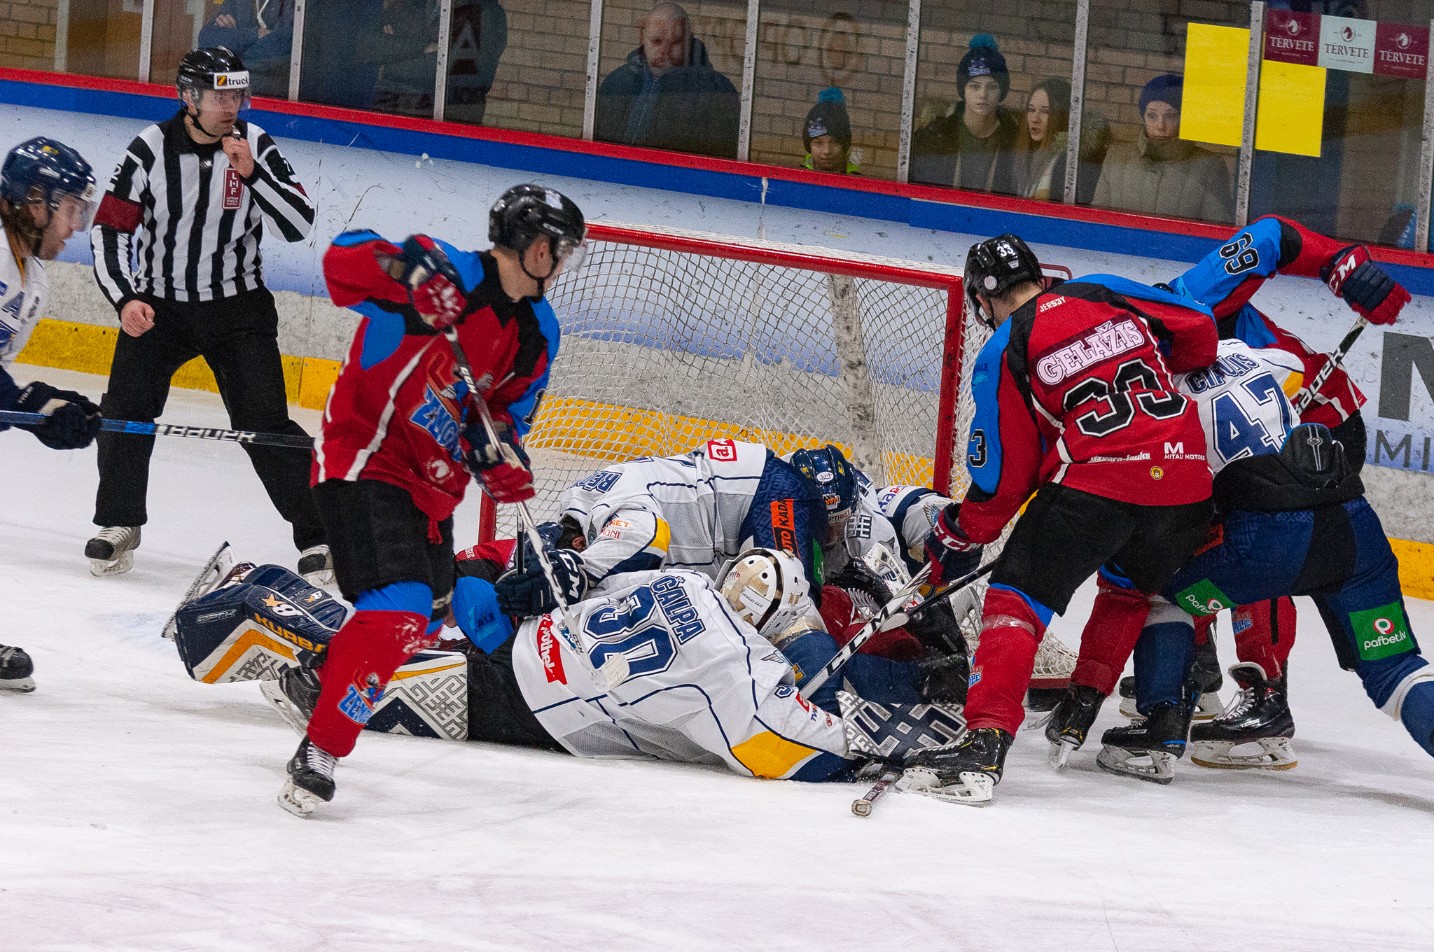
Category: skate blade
<point>969,788</point>
<point>1276,754</point>
<point>297,800</point>
<point>104,568</point>
<point>1153,766</point>
<point>1060,753</point>
<point>1038,723</point>
<point>19,685</point>
<point>1209,707</point>
<point>280,702</point>
<point>1128,709</point>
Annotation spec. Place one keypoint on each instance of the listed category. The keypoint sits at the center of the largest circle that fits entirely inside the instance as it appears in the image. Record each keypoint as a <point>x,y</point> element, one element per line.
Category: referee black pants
<point>238,339</point>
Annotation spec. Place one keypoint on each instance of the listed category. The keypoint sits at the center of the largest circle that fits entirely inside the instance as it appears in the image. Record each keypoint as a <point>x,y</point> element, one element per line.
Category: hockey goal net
<point>672,338</point>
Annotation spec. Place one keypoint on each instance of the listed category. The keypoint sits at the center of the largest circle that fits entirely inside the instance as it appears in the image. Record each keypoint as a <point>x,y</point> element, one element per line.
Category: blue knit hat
<point>983,59</point>
<point>1167,88</point>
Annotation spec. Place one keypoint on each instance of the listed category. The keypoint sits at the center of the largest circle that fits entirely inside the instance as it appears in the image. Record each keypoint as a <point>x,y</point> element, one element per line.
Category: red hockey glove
<point>1365,286</point>
<point>502,467</point>
<point>950,553</point>
<point>435,289</point>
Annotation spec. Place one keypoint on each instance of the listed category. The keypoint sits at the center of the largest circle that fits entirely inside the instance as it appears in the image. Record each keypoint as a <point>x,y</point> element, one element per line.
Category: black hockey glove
<point>73,420</point>
<point>950,553</point>
<point>525,592</point>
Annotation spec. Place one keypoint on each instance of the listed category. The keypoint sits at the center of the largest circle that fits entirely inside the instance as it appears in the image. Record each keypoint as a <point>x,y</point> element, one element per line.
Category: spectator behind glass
<point>261,32</point>
<point>1041,146</point>
<point>973,147</point>
<point>477,39</point>
<point>667,95</point>
<point>1160,173</point>
<point>405,50</point>
<point>827,135</point>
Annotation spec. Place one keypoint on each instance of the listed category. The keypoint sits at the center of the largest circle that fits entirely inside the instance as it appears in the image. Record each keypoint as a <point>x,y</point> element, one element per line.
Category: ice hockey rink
<point>137,807</point>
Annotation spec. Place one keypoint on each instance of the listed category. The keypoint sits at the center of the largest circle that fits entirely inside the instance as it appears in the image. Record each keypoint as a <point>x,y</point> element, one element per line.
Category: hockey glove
<point>73,420</point>
<point>1365,286</point>
<point>435,288</point>
<point>476,612</point>
<point>950,553</point>
<point>502,467</point>
<point>525,592</point>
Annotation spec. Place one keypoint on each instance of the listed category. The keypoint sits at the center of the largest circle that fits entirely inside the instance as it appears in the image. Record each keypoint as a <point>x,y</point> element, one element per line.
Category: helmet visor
<point>571,254</point>
<point>78,210</point>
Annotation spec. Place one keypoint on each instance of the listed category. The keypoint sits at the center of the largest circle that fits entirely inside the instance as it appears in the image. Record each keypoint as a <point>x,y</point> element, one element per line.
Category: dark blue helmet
<point>835,478</point>
<point>52,167</point>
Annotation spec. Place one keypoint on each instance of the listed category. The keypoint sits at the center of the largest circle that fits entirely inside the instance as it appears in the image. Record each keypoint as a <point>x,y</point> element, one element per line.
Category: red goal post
<point>671,338</point>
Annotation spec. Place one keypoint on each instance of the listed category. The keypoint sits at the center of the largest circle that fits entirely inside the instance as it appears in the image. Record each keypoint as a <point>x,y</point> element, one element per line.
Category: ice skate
<point>1206,708</point>
<point>1071,720</point>
<point>1208,679</point>
<point>1259,714</point>
<point>111,551</point>
<point>966,774</point>
<point>15,670</point>
<point>316,565</point>
<point>311,779</point>
<point>293,695</point>
<point>1148,749</point>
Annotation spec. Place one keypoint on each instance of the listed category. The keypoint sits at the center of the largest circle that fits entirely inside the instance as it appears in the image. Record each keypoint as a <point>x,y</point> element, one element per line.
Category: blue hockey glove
<point>475,609</point>
<point>73,422</point>
<point>950,553</point>
<point>525,592</point>
<point>502,467</point>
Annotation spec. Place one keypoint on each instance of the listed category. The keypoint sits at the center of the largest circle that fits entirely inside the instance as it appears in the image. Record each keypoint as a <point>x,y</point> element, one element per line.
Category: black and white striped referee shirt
<point>191,222</point>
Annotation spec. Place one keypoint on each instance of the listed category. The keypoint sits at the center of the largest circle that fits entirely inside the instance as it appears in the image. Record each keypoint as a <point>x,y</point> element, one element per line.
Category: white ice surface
<point>137,806</point>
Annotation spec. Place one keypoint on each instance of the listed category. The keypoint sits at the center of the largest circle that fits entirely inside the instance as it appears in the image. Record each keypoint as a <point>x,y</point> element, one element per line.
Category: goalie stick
<point>863,805</point>
<point>1307,395</point>
<point>615,669</point>
<point>252,437</point>
<point>889,616</point>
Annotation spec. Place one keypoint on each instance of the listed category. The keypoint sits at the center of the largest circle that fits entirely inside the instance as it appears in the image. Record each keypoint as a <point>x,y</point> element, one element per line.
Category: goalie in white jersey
<point>47,193</point>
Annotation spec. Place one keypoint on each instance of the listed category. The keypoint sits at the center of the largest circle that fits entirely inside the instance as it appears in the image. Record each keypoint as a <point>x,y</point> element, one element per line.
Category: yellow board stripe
<point>768,755</point>
<point>1416,567</point>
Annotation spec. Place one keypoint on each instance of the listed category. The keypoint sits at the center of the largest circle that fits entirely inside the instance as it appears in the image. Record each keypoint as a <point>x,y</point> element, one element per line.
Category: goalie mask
<point>835,478</point>
<point>766,588</point>
<point>993,267</point>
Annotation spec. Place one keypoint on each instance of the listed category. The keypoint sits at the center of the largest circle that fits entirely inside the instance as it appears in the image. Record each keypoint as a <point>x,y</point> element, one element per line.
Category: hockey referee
<point>176,246</point>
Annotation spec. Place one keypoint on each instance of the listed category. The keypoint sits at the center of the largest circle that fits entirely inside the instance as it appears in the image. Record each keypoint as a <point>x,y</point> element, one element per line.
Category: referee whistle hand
<point>136,317</point>
<point>239,155</point>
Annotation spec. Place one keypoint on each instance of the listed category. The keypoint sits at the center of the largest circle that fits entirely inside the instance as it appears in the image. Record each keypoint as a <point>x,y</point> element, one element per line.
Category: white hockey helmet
<point>767,588</point>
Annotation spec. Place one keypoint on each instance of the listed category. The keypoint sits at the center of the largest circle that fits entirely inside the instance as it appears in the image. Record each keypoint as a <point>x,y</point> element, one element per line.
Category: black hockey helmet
<point>525,213</point>
<point>996,265</point>
<point>213,67</point>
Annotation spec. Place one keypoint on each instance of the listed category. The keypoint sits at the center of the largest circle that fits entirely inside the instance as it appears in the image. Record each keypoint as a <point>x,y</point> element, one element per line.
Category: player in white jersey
<point>695,511</point>
<point>47,193</point>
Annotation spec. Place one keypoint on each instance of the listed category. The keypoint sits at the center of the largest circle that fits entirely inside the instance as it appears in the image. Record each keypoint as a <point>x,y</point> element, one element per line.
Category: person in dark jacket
<point>667,95</point>
<point>261,32</point>
<point>974,146</point>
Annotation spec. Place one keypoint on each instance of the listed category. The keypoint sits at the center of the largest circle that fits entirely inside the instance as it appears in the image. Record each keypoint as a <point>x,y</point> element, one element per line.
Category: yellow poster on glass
<point>1216,61</point>
<point>1290,117</point>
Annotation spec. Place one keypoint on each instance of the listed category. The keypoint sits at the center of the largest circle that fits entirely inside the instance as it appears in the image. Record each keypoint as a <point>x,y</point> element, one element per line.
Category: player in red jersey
<point>1074,404</point>
<point>1225,280</point>
<point>400,438</point>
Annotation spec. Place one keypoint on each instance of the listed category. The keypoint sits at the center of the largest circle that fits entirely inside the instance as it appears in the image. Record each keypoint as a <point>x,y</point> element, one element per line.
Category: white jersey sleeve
<point>912,511</point>
<point>681,511</point>
<point>23,291</point>
<point>704,687</point>
<point>1243,399</point>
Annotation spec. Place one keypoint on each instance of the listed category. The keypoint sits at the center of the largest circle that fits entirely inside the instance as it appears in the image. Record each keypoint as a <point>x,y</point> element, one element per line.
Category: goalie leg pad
<point>894,732</point>
<point>361,659</point>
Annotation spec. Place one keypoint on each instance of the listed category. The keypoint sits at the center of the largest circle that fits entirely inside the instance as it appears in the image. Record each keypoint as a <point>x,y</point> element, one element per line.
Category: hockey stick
<point>615,669</point>
<point>888,616</point>
<point>250,437</point>
<point>862,806</point>
<point>1336,358</point>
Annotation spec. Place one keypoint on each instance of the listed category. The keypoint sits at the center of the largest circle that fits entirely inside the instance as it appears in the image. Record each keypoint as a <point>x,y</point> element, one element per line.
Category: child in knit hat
<point>826,135</point>
<point>973,147</point>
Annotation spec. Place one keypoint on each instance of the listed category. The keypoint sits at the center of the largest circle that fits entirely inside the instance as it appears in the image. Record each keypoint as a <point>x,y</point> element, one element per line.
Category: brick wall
<point>27,33</point>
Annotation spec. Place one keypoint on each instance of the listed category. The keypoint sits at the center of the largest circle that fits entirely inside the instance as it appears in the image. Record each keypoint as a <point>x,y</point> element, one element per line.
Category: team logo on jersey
<point>359,699</point>
<point>599,482</point>
<point>549,653</point>
<point>1110,339</point>
<point>233,188</point>
<point>784,690</point>
<point>722,451</point>
<point>1381,632</point>
<point>433,417</point>
<point>1157,472</point>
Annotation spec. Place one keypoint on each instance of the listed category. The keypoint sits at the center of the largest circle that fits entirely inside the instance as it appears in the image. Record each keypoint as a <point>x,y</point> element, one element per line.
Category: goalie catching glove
<point>73,421</point>
<point>435,288</point>
<point>525,592</point>
<point>1365,286</point>
<point>503,466</point>
<point>950,553</point>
